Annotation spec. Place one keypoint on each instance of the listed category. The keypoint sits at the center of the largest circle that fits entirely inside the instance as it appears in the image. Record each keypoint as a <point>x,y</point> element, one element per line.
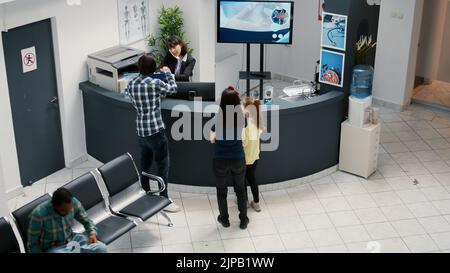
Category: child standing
<point>251,142</point>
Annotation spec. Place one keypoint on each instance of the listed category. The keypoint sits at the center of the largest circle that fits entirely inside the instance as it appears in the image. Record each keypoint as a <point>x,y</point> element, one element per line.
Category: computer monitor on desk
<point>190,90</point>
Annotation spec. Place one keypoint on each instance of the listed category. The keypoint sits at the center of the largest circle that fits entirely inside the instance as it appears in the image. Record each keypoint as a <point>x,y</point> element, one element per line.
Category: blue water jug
<point>362,81</point>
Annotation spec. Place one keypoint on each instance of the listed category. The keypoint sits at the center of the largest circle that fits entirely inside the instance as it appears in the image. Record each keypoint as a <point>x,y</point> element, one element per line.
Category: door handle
<point>54,100</point>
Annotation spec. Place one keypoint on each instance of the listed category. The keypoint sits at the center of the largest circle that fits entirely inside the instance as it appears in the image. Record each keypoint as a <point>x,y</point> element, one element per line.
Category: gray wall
<point>398,38</point>
<point>3,199</point>
<point>299,59</point>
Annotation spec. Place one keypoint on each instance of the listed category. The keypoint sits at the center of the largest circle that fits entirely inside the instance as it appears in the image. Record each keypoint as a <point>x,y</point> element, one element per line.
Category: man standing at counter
<point>145,93</point>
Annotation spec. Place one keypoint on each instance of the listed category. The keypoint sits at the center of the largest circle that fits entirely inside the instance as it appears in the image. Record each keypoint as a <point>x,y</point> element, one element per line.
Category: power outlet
<point>373,2</point>
<point>397,15</point>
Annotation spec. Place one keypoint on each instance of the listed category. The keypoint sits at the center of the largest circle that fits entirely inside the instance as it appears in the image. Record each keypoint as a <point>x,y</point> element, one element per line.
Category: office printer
<point>111,67</point>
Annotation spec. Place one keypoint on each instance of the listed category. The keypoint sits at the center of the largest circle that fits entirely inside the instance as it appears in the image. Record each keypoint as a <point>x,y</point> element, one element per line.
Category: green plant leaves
<point>151,40</point>
<point>172,23</point>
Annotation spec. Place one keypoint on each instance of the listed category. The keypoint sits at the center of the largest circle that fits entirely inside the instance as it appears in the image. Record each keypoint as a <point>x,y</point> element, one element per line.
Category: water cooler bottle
<point>361,96</point>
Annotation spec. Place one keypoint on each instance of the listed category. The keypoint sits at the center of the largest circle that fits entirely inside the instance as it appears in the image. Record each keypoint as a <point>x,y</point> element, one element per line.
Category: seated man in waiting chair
<point>50,228</point>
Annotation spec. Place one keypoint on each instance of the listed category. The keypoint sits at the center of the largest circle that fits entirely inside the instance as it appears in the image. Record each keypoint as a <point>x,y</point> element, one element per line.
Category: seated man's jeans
<point>80,244</point>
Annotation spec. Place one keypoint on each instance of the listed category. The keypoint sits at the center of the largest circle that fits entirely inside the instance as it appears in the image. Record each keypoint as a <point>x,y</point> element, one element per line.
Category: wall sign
<point>29,59</point>
<point>133,20</point>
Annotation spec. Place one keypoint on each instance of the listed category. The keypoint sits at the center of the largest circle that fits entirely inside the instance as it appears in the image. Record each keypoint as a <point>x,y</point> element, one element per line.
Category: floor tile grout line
<point>328,216</point>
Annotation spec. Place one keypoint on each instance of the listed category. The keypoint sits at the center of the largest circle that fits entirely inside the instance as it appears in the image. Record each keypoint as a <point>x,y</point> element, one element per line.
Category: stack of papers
<point>295,90</point>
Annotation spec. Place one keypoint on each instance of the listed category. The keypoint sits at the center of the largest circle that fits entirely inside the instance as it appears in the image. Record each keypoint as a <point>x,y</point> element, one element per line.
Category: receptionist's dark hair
<point>173,41</point>
<point>147,64</point>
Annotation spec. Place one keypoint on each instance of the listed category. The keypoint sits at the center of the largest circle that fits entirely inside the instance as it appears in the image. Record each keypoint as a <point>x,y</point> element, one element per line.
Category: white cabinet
<point>359,149</point>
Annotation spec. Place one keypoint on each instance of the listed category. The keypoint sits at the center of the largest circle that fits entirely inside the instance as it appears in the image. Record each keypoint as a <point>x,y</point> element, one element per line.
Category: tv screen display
<point>259,22</point>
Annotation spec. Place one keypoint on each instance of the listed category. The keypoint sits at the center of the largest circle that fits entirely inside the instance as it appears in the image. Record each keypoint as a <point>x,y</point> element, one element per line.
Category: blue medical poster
<point>334,31</point>
<point>332,68</point>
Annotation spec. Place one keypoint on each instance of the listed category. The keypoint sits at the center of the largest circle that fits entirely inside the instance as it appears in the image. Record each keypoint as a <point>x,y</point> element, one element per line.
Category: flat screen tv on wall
<point>255,22</point>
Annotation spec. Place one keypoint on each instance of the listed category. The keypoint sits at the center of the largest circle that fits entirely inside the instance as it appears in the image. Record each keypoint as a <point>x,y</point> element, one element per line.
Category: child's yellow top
<point>251,141</point>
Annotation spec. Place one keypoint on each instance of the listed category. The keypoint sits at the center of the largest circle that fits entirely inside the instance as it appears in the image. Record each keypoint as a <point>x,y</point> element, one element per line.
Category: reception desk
<point>309,136</point>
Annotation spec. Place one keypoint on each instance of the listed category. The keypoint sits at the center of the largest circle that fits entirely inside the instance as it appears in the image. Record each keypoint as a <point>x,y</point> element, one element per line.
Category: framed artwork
<point>133,20</point>
<point>332,67</point>
<point>334,31</point>
<point>321,8</point>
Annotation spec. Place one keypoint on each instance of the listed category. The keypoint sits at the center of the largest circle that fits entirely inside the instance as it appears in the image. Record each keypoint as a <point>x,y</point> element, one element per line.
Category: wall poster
<point>133,20</point>
<point>334,31</point>
<point>332,67</point>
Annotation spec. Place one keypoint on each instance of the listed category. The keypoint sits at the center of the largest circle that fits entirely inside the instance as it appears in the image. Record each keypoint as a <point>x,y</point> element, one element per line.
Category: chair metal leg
<point>170,224</point>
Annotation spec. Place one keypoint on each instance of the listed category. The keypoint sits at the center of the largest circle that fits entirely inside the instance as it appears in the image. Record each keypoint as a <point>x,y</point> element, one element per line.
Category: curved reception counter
<point>305,140</point>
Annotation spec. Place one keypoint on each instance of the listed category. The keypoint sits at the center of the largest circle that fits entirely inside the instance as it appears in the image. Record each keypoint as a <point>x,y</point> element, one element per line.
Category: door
<point>34,101</point>
<point>444,64</point>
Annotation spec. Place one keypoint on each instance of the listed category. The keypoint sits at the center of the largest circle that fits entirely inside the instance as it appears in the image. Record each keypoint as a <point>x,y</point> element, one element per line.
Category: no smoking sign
<point>29,60</point>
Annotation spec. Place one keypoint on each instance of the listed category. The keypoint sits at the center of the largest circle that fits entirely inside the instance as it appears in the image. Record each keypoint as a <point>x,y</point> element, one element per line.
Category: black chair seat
<point>112,228</point>
<point>9,242</point>
<point>22,216</point>
<point>120,175</point>
<point>146,206</point>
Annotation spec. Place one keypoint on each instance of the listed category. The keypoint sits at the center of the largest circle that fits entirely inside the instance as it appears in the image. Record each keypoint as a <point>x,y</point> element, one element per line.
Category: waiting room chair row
<point>126,204</point>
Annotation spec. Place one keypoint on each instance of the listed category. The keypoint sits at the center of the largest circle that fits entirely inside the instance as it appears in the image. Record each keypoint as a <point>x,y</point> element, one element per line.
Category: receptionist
<point>178,59</point>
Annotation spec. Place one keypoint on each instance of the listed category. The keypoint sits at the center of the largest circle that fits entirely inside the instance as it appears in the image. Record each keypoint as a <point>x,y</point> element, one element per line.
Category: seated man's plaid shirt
<point>145,93</point>
<point>48,229</point>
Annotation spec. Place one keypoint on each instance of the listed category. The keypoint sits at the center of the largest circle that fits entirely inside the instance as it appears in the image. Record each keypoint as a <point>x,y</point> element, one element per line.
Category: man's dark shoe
<point>224,223</point>
<point>244,223</point>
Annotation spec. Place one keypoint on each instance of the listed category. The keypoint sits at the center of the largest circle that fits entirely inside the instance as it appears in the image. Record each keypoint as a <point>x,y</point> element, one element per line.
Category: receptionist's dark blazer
<point>187,67</point>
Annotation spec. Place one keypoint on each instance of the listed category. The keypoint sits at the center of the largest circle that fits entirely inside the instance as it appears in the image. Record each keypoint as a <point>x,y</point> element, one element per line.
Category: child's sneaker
<point>255,206</point>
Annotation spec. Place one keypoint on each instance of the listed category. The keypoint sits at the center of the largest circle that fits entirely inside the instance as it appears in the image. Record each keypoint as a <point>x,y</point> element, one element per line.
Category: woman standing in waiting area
<point>251,142</point>
<point>229,157</point>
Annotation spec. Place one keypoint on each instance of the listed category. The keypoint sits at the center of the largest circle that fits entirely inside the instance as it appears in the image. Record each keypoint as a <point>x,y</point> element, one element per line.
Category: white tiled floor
<point>338,213</point>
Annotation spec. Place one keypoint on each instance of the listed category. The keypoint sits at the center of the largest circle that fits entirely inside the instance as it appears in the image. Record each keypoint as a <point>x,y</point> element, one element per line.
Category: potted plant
<point>361,85</point>
<point>172,23</point>
<point>363,47</point>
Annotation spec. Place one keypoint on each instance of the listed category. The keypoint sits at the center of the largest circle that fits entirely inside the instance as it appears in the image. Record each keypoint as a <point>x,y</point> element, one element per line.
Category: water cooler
<point>358,111</point>
<point>360,138</point>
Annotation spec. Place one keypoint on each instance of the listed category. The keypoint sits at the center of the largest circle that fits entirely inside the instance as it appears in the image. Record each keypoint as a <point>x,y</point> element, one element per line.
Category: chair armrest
<point>158,179</point>
<point>130,218</point>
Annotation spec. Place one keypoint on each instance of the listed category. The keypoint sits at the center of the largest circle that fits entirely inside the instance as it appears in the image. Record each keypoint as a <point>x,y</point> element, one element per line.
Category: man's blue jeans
<point>79,244</point>
<point>155,145</point>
